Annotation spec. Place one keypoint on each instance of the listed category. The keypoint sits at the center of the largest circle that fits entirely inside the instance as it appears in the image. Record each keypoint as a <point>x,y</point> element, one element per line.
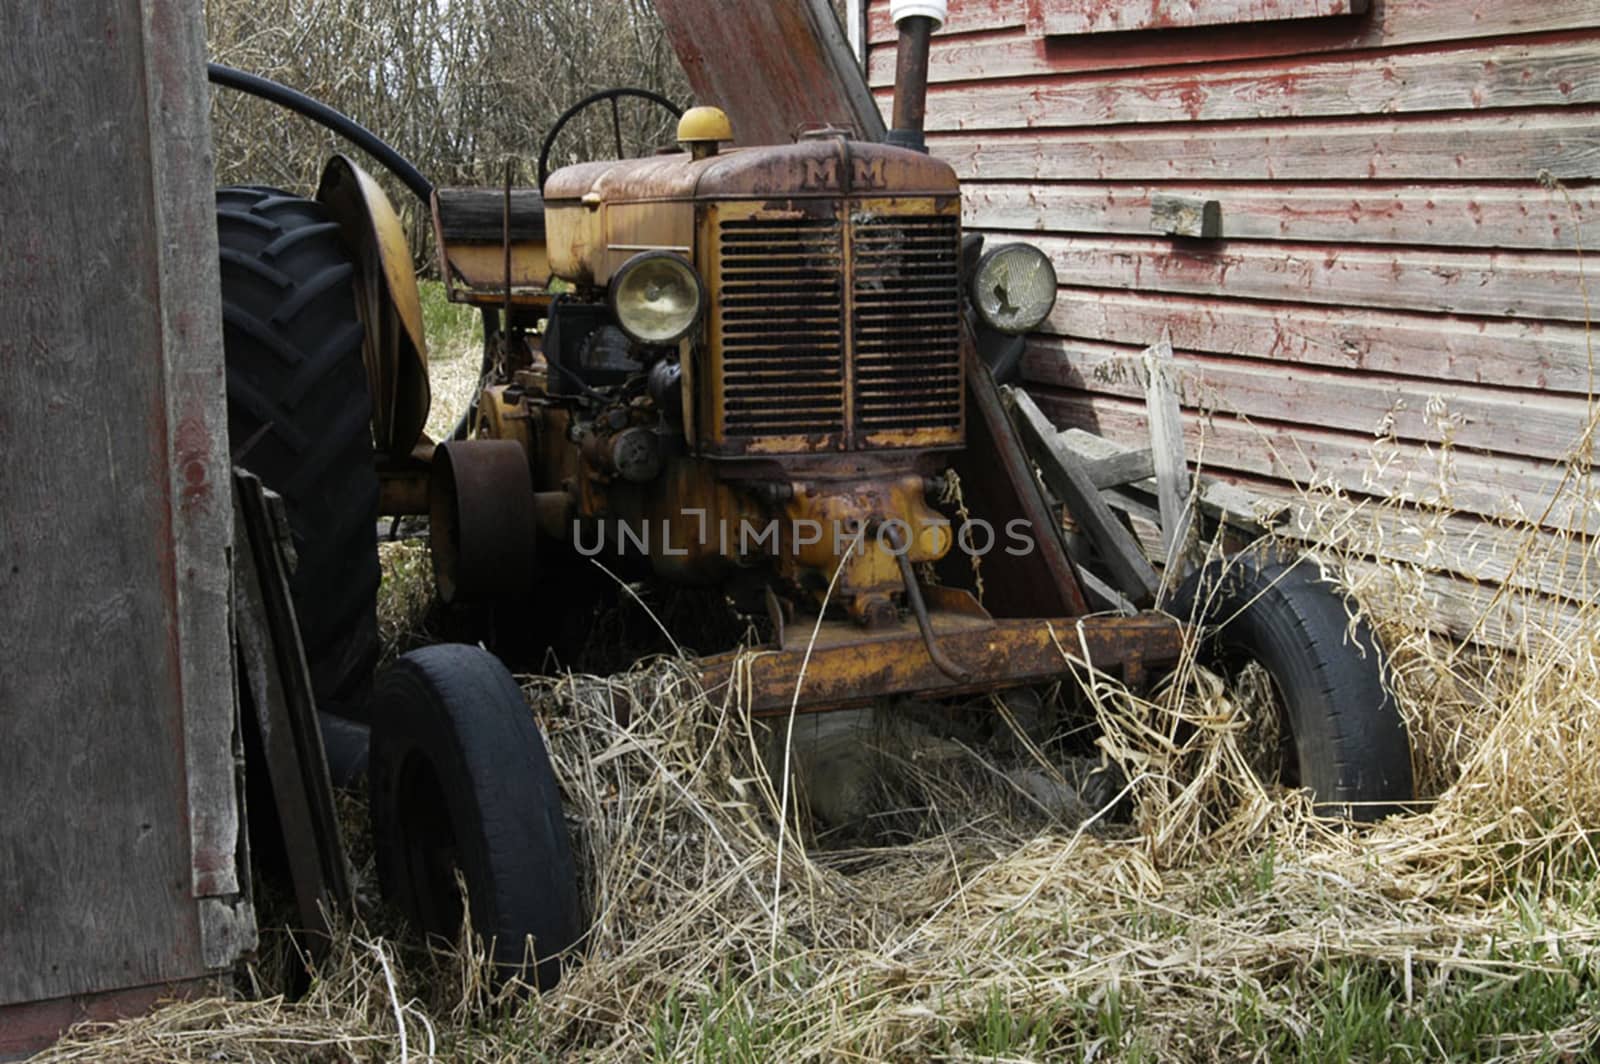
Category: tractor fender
<point>394,347</point>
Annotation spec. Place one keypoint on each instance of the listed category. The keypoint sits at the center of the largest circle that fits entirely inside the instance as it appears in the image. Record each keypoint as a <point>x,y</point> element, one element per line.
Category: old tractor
<point>758,370</point>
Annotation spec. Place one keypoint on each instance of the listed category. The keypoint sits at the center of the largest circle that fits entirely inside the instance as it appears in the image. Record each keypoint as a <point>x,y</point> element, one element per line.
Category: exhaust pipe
<point>916,21</point>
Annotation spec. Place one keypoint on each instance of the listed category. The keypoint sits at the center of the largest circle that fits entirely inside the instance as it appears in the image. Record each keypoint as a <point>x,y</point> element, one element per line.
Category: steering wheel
<point>604,95</point>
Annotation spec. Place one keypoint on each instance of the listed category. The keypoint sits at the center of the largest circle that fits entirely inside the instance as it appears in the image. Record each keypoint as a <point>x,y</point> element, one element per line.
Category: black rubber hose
<point>323,115</point>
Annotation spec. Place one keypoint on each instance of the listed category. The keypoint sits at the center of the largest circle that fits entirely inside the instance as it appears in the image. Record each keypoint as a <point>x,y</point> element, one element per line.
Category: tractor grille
<point>905,301</point>
<point>782,305</point>
<point>782,312</point>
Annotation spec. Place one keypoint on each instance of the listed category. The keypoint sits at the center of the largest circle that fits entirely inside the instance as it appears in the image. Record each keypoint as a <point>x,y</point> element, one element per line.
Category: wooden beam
<point>772,65</point>
<point>1123,466</point>
<point>1064,475</point>
<point>1188,216</point>
<point>1220,503</point>
<point>1172,467</point>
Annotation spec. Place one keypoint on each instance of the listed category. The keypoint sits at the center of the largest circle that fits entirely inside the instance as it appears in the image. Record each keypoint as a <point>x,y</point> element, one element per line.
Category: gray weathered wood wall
<point>119,824</point>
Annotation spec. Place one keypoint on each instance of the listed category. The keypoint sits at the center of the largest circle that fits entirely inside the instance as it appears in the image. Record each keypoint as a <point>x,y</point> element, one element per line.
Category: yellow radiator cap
<point>702,128</point>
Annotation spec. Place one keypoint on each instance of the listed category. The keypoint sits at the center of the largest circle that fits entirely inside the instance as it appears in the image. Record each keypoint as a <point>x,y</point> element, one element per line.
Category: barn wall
<point>1390,236</point>
<point>121,830</point>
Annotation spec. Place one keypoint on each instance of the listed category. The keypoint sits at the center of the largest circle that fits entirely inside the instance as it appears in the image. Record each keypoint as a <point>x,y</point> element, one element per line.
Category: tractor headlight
<point>1014,287</point>
<point>657,297</point>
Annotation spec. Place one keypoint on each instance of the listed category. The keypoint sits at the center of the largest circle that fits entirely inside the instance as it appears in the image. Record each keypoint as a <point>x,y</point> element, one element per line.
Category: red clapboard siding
<point>1497,487</point>
<point>1508,284</point>
<point>1514,146</point>
<point>1413,409</point>
<point>1554,74</point>
<point>1504,354</point>
<point>1112,16</point>
<point>1403,196</point>
<point>958,55</point>
<point>1530,216</point>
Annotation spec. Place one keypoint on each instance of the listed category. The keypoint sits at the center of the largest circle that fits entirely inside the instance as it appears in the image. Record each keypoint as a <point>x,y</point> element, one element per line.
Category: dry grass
<point>1226,923</point>
<point>1223,923</point>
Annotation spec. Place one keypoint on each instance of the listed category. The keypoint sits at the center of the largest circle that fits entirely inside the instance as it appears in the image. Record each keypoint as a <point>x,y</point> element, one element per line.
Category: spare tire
<point>1341,735</point>
<point>299,417</point>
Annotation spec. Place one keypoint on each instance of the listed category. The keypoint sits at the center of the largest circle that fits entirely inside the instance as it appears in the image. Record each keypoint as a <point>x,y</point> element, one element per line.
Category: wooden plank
<point>1515,146</point>
<point>1161,384</point>
<point>1014,51</point>
<point>999,485</point>
<point>1116,16</point>
<point>1547,356</point>
<point>1561,73</point>
<point>1502,284</point>
<point>1064,475</point>
<point>1497,487</point>
<point>1530,216</point>
<point>1189,216</point>
<point>1528,425</point>
<point>116,769</point>
<point>281,707</point>
<point>772,65</point>
<point>1122,466</point>
<point>1219,502</point>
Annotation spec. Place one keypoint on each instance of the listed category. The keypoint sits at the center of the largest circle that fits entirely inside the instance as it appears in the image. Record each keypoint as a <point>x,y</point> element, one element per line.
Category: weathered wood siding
<point>1396,254</point>
<point>121,831</point>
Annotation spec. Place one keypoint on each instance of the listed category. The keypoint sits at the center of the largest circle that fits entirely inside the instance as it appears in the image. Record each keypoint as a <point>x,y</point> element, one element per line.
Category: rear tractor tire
<point>1338,731</point>
<point>299,417</point>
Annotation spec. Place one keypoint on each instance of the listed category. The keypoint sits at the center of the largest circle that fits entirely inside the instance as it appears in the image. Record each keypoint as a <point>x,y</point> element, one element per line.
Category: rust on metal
<point>393,347</point>
<point>849,666</point>
<point>483,520</point>
<point>911,75</point>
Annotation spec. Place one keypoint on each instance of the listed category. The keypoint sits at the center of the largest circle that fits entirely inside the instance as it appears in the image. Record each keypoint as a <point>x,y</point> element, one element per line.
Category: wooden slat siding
<point>1546,356</point>
<point>1480,551</point>
<point>1465,611</point>
<point>960,55</point>
<point>1514,146</point>
<point>1489,421</point>
<point>1386,236</point>
<point>1554,74</point>
<point>1530,217</point>
<point>1506,284</point>
<point>1497,486</point>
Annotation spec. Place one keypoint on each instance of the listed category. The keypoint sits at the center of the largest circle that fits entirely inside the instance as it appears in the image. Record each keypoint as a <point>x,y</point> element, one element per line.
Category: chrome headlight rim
<point>629,270</point>
<point>986,261</point>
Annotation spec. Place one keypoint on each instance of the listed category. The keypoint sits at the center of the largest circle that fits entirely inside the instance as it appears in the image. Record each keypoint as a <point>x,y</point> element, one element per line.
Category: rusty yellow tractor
<point>761,370</point>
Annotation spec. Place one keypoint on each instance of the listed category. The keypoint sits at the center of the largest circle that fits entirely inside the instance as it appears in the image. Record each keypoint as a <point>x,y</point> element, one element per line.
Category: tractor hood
<point>598,215</point>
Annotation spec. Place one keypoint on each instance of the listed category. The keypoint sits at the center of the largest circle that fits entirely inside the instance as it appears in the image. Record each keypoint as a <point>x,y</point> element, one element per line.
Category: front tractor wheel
<point>299,417</point>
<point>462,784</point>
<point>1335,728</point>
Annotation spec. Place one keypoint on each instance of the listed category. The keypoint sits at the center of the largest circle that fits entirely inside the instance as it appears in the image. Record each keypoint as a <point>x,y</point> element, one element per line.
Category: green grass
<point>455,346</point>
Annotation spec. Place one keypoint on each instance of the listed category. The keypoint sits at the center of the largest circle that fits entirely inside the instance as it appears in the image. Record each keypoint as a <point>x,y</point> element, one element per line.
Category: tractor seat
<point>478,215</point>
